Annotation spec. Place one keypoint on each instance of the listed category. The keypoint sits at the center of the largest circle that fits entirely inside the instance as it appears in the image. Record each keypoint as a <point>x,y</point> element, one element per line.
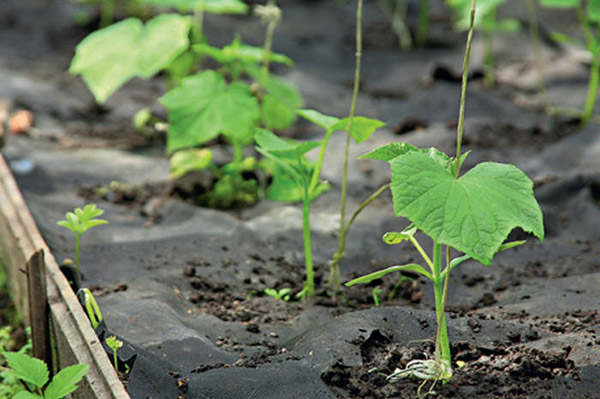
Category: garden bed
<point>185,284</point>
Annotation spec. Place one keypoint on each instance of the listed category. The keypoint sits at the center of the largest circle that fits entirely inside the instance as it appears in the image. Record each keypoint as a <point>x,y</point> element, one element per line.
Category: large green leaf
<point>474,213</point>
<point>109,57</point>
<point>209,6</point>
<point>204,106</point>
<point>65,381</point>
<point>27,368</point>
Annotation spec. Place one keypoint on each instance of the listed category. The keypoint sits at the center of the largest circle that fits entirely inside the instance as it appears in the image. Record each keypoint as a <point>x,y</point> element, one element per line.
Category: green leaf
<point>109,57</point>
<point>395,237</point>
<point>325,121</point>
<point>474,213</point>
<point>362,127</point>
<point>389,151</point>
<point>204,106</point>
<point>237,51</point>
<point>562,38</point>
<point>280,104</point>
<point>378,274</point>
<point>27,395</point>
<point>65,381</point>
<point>278,146</point>
<point>27,368</point>
<point>209,6</point>
<point>593,10</point>
<point>185,161</point>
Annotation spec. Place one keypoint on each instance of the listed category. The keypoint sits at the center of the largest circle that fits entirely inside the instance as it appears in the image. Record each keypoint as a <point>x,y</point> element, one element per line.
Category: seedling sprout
<point>79,221</point>
<point>114,344</point>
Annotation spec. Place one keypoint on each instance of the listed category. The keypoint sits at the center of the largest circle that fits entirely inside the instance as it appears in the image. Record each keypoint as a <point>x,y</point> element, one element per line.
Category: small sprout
<point>376,293</point>
<point>79,221</point>
<point>34,375</point>
<point>114,344</point>
<point>282,294</point>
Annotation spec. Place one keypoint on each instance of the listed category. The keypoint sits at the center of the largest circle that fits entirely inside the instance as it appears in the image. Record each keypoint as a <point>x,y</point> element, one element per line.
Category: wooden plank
<point>73,338</point>
<point>38,307</point>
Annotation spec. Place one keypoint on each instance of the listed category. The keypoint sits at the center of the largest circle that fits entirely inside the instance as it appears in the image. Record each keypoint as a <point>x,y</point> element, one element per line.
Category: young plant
<point>114,344</point>
<point>34,375</point>
<point>472,213</point>
<point>588,14</point>
<point>79,221</point>
<point>359,128</point>
<point>300,176</point>
<point>488,22</point>
<point>282,294</point>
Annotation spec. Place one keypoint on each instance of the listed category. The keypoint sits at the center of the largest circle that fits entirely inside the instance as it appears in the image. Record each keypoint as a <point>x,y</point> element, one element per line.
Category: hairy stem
<point>338,256</point>
<point>423,24</point>
<point>334,272</point>
<point>442,345</point>
<point>534,32</point>
<point>77,269</point>
<point>309,285</point>
<point>460,128</point>
<point>268,46</point>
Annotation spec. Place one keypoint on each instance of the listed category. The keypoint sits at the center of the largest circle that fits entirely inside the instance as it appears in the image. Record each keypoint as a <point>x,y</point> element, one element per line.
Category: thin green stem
<point>309,285</point>
<point>334,272</point>
<point>107,13</point>
<point>423,24</point>
<point>116,359</point>
<point>460,128</point>
<point>77,269</point>
<point>238,153</point>
<point>198,30</point>
<point>426,257</point>
<point>268,46</point>
<point>341,240</point>
<point>442,345</point>
<point>590,40</point>
<point>592,93</point>
<point>534,32</point>
<point>317,172</point>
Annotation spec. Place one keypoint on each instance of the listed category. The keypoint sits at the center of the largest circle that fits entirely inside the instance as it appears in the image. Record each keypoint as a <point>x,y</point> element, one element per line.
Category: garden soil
<point>183,284</point>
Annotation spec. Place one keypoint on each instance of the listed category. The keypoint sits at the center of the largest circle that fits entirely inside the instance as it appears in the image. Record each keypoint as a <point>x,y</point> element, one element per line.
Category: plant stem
<point>335,277</point>
<point>534,32</point>
<point>309,285</point>
<point>268,46</point>
<point>317,172</point>
<point>77,270</point>
<point>460,128</point>
<point>197,31</point>
<point>115,358</point>
<point>423,25</point>
<point>592,94</point>
<point>107,13</point>
<point>442,345</point>
<point>339,255</point>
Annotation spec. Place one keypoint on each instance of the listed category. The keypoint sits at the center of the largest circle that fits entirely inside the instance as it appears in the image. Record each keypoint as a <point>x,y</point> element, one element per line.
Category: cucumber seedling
<point>588,14</point>
<point>282,294</point>
<point>472,213</point>
<point>34,375</point>
<point>114,344</point>
<point>79,221</point>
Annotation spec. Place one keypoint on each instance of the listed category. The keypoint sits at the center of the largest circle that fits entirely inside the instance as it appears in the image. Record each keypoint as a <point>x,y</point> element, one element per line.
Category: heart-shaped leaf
<point>109,57</point>
<point>204,106</point>
<point>474,213</point>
